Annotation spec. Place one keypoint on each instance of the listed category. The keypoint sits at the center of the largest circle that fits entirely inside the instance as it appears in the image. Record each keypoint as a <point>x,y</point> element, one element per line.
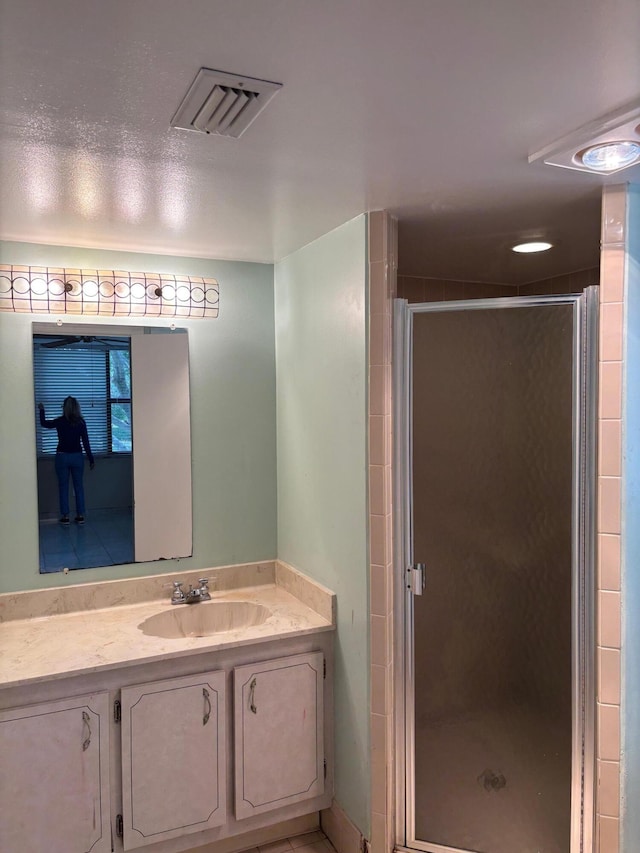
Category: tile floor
<point>310,842</point>
<point>105,539</point>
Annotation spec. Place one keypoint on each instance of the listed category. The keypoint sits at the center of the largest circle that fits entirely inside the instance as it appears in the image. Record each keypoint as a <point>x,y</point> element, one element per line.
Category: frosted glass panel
<point>492,457</point>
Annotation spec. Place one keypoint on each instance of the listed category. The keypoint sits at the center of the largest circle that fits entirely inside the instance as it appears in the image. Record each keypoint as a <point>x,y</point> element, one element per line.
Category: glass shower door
<point>496,701</point>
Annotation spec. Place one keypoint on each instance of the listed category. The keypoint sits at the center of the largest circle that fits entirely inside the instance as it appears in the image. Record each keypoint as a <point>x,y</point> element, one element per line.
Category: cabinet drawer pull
<point>207,706</point>
<point>86,729</point>
<point>252,697</point>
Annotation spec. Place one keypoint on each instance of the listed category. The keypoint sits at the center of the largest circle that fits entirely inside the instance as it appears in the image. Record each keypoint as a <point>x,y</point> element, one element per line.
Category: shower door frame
<point>584,418</point>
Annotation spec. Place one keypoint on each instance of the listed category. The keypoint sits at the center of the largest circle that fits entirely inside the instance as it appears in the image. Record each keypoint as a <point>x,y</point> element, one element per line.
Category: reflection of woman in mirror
<point>72,437</point>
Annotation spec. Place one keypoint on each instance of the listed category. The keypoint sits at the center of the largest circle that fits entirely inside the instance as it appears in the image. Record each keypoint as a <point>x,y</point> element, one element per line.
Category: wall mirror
<point>132,386</point>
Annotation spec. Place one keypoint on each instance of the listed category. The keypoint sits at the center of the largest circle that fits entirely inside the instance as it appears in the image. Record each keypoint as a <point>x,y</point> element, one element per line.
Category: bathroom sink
<point>204,620</point>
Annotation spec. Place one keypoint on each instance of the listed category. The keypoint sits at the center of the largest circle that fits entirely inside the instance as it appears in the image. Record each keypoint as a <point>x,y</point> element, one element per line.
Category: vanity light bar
<point>113,293</point>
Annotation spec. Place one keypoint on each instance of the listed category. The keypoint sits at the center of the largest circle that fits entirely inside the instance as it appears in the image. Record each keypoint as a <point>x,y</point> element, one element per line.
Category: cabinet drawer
<point>278,723</point>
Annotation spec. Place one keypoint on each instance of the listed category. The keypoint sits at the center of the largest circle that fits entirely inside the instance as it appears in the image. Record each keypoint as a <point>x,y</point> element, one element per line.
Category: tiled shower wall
<point>423,289</point>
<point>417,289</point>
<point>573,282</point>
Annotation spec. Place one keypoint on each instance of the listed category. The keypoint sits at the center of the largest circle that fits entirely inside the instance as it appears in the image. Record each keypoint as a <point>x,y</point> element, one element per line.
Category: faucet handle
<point>204,587</point>
<point>177,596</point>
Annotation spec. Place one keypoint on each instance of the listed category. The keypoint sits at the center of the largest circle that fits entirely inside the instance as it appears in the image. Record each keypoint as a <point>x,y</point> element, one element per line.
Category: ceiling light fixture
<point>48,290</point>
<point>532,247</point>
<point>610,156</point>
<point>602,147</point>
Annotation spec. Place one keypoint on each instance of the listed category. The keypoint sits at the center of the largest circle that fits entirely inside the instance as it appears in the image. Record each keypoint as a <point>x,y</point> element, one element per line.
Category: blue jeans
<point>70,464</point>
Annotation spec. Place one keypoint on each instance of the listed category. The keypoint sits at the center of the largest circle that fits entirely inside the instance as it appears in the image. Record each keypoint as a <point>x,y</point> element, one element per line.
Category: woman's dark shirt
<point>69,435</point>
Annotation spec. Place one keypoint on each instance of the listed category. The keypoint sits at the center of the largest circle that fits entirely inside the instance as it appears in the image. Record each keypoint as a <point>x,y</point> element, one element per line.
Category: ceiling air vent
<point>223,103</point>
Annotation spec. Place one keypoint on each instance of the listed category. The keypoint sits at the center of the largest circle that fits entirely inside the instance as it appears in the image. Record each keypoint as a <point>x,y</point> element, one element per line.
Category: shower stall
<point>494,501</point>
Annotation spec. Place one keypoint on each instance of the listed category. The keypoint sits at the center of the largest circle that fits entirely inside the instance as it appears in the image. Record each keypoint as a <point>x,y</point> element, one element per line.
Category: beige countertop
<point>63,644</point>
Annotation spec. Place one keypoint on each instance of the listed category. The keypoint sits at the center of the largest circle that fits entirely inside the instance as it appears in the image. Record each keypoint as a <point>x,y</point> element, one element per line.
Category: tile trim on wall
<point>383,253</point>
<point>341,832</point>
<point>609,599</point>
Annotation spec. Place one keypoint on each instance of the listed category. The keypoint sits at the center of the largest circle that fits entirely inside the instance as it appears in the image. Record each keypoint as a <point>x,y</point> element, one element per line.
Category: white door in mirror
<point>162,446</point>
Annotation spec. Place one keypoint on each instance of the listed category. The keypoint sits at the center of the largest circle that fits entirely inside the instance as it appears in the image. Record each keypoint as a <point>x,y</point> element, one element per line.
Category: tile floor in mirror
<point>105,539</point>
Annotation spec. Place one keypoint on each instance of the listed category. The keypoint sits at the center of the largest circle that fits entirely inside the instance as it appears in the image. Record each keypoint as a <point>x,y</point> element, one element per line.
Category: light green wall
<point>318,511</point>
<point>233,419</point>
<point>322,466</point>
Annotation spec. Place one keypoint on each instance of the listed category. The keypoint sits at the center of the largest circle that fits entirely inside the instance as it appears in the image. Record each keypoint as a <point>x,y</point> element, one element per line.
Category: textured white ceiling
<point>428,108</point>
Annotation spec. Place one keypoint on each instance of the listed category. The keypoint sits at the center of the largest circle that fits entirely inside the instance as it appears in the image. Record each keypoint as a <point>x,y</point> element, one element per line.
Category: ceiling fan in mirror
<point>70,340</point>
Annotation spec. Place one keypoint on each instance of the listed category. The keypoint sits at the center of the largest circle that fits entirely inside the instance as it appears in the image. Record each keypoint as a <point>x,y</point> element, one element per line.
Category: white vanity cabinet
<point>278,728</point>
<point>173,758</point>
<point>54,777</point>
<point>170,755</point>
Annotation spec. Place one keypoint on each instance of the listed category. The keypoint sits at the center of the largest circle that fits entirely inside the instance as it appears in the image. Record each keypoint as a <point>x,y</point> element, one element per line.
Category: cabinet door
<point>278,718</point>
<point>173,758</point>
<point>54,777</point>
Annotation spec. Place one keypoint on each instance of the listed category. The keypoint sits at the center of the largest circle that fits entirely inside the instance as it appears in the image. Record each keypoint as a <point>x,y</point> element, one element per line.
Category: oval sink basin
<point>205,619</point>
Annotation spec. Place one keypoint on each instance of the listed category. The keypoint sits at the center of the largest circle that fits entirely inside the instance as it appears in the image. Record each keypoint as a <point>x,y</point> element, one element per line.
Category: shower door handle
<point>416,578</point>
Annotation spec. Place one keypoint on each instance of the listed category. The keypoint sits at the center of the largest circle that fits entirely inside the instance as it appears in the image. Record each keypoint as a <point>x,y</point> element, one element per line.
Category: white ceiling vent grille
<point>223,103</point>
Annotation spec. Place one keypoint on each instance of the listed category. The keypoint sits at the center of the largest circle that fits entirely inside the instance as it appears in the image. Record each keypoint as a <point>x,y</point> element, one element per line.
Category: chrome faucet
<point>192,596</point>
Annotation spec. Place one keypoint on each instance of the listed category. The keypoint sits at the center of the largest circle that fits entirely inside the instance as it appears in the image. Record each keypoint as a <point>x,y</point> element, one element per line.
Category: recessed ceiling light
<point>529,248</point>
<point>610,155</point>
